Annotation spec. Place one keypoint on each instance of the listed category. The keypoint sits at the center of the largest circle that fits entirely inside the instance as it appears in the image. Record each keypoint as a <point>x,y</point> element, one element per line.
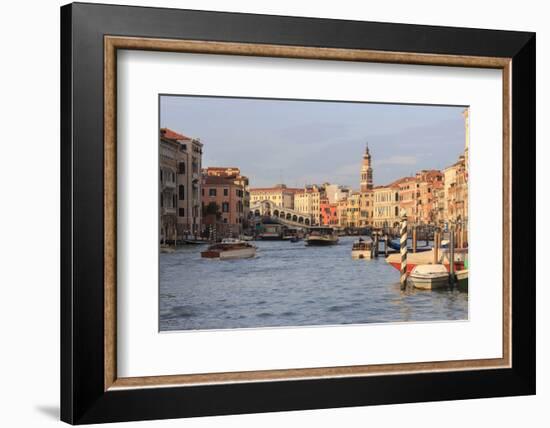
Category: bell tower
<point>366,171</point>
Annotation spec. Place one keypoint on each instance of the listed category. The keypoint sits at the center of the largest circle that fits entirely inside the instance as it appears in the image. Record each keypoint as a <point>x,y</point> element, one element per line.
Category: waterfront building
<point>366,172</point>
<point>353,210</point>
<point>180,185</point>
<point>408,197</point>
<point>279,194</point>
<point>426,183</point>
<point>308,202</point>
<point>342,212</point>
<point>456,191</point>
<point>335,192</point>
<point>386,205</point>
<point>225,200</point>
<point>329,212</point>
<point>366,212</point>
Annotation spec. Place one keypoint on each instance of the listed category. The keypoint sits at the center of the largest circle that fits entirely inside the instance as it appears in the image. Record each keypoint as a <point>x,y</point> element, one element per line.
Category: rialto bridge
<point>267,208</point>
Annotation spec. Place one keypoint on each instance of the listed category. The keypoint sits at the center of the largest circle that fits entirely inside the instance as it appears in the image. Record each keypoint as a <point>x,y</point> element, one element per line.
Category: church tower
<point>366,172</point>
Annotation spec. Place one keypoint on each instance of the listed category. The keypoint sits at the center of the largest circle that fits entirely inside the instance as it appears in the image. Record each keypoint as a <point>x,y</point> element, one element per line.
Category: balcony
<point>168,184</point>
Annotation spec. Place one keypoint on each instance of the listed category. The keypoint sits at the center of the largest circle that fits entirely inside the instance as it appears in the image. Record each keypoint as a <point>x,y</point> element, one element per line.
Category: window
<point>161,175</point>
<point>181,212</point>
<point>225,207</point>
<point>181,168</point>
<point>225,192</point>
<point>225,220</point>
<point>212,192</point>
<point>161,200</point>
<point>174,202</point>
<point>181,191</point>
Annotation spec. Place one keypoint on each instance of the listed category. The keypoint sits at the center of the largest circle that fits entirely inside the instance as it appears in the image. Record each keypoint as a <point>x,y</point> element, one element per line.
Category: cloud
<point>397,160</point>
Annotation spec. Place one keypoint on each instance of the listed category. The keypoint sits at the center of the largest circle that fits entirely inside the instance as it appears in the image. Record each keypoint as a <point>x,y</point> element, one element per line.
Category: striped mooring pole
<point>403,251</point>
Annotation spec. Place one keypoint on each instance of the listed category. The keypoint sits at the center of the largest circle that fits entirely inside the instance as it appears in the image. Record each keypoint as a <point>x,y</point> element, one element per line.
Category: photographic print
<point>286,213</point>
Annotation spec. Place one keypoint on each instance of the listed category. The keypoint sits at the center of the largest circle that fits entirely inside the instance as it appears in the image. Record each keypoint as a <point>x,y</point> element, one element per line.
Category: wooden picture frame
<point>91,390</point>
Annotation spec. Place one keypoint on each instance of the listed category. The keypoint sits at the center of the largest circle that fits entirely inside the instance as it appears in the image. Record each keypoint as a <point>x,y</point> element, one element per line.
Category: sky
<point>306,142</point>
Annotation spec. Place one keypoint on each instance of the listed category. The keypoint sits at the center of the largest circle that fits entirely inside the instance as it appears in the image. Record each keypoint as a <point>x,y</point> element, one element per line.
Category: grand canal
<point>289,284</point>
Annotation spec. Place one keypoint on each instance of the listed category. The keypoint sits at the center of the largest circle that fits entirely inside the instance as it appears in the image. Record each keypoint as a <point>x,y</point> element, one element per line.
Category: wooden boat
<point>395,244</point>
<point>165,249</point>
<point>427,257</point>
<point>429,277</point>
<point>321,236</point>
<point>362,249</point>
<point>230,249</point>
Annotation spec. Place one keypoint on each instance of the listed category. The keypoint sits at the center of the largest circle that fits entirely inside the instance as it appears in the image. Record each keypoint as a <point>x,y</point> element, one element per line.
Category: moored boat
<point>429,277</point>
<point>230,249</point>
<point>462,280</point>
<point>362,249</point>
<point>321,236</point>
<point>427,257</point>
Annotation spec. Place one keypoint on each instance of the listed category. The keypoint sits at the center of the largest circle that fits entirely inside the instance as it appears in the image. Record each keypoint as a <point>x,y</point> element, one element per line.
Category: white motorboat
<point>429,277</point>
<point>362,249</point>
<point>321,236</point>
<point>230,249</point>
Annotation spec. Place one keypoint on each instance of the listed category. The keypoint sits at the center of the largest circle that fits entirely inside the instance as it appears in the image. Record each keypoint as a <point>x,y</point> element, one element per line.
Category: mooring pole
<point>452,256</point>
<point>386,246</point>
<point>403,241</point>
<point>415,236</point>
<point>437,244</point>
<point>376,243</point>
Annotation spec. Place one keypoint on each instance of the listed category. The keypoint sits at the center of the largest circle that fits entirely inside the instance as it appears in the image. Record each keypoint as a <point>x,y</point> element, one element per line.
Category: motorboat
<point>229,249</point>
<point>427,257</point>
<point>429,277</point>
<point>321,236</point>
<point>362,249</point>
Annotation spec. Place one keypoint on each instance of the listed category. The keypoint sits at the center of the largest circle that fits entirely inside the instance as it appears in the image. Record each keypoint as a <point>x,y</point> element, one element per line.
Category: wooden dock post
<point>436,247</point>
<point>386,246</point>
<point>452,256</point>
<point>375,246</point>
<point>403,247</point>
<point>414,238</point>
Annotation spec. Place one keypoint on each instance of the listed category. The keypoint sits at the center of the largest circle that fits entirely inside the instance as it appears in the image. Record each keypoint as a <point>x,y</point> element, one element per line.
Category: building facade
<point>386,212</point>
<point>225,200</point>
<point>428,182</point>
<point>335,192</point>
<point>180,185</point>
<point>408,192</point>
<point>308,202</point>
<point>280,195</point>
<point>329,213</point>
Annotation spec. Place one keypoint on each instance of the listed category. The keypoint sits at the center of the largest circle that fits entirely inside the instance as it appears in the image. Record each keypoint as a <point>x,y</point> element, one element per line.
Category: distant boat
<point>195,241</point>
<point>362,249</point>
<point>230,249</point>
<point>165,249</point>
<point>321,236</point>
<point>429,277</point>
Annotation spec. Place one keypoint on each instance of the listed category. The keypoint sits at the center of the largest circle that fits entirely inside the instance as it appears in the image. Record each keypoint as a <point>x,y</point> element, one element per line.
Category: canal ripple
<point>289,284</point>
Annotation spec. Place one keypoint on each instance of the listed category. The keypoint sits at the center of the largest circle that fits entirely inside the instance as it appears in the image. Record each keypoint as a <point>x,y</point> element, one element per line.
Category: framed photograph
<point>266,213</point>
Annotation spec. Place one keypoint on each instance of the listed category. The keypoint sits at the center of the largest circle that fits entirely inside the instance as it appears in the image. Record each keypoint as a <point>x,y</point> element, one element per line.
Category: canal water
<point>290,284</point>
